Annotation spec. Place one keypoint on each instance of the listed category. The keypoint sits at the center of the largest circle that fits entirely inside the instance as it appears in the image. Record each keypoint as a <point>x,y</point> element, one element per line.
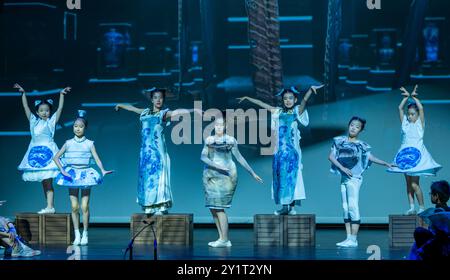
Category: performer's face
<point>434,198</point>
<point>78,128</point>
<point>157,99</point>
<point>219,127</point>
<point>43,111</point>
<point>289,100</point>
<point>354,128</point>
<point>412,115</point>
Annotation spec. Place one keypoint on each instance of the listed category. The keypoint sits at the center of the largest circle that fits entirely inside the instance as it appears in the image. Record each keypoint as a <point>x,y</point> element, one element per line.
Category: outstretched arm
<point>312,89</point>
<point>99,162</point>
<point>129,107</point>
<point>401,107</point>
<point>24,100</point>
<point>419,105</point>
<point>271,108</point>
<point>373,159</point>
<point>61,102</point>
<point>244,163</point>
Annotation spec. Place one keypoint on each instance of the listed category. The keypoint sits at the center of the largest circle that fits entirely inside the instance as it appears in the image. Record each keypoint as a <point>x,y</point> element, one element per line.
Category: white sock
<point>85,232</point>
<point>411,207</point>
<point>353,237</point>
<point>77,233</point>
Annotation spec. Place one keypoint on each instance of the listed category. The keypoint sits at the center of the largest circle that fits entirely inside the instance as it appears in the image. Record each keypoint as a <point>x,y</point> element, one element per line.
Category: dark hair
<point>43,102</point>
<point>361,120</point>
<point>154,90</point>
<point>81,115</point>
<point>294,90</point>
<point>413,106</point>
<point>441,189</point>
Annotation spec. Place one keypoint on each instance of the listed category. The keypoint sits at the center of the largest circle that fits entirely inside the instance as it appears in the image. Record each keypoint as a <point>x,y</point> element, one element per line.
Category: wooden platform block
<point>170,229</point>
<point>300,230</point>
<point>268,230</point>
<point>57,228</point>
<point>28,225</point>
<point>401,229</point>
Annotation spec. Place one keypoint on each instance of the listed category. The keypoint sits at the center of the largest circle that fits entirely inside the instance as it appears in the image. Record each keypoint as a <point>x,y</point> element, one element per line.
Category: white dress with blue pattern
<point>413,158</point>
<point>287,183</point>
<point>154,163</point>
<point>38,164</point>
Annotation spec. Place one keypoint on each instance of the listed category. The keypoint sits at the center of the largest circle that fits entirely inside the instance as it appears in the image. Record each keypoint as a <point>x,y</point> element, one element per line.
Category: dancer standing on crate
<point>413,158</point>
<point>76,174</point>
<point>220,176</point>
<point>350,157</point>
<point>287,184</point>
<point>154,192</point>
<point>37,164</point>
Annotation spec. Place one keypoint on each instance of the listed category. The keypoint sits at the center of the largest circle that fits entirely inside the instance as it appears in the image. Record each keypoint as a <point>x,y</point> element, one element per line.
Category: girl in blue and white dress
<point>413,158</point>
<point>77,174</point>
<point>154,192</point>
<point>287,184</point>
<point>37,164</point>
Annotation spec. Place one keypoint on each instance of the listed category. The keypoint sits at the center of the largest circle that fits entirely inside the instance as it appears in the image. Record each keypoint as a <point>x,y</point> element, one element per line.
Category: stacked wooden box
<point>46,229</point>
<point>170,229</point>
<point>401,229</point>
<point>285,230</point>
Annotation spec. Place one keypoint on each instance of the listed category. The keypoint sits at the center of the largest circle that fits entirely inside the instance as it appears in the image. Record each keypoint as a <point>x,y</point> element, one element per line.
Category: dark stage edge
<point>109,243</point>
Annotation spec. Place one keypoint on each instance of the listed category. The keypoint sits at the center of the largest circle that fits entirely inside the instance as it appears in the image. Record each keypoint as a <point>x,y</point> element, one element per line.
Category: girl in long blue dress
<point>287,184</point>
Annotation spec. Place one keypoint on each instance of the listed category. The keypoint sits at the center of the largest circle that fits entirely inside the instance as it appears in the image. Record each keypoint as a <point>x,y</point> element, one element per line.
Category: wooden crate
<point>268,230</point>
<point>28,225</point>
<point>170,229</point>
<point>57,228</point>
<point>300,230</point>
<point>401,229</point>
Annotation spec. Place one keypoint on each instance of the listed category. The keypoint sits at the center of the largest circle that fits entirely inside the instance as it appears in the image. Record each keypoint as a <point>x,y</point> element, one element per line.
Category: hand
<point>257,178</point>
<point>347,171</point>
<point>18,87</point>
<point>2,202</point>
<point>106,172</point>
<point>117,108</point>
<point>391,165</point>
<point>65,90</point>
<point>65,174</point>
<point>240,99</point>
<point>405,93</point>
<point>315,88</point>
<point>414,93</point>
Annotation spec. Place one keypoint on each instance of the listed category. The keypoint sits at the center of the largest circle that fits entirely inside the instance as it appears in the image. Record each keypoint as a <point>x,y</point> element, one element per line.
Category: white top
<point>412,133</point>
<point>78,151</point>
<point>42,131</point>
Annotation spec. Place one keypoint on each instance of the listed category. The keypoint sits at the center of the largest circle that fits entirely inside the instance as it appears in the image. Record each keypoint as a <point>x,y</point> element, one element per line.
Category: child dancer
<point>287,185</point>
<point>413,159</point>
<point>77,174</point>
<point>13,243</point>
<point>220,177</point>
<point>154,192</point>
<point>37,164</point>
<point>350,157</point>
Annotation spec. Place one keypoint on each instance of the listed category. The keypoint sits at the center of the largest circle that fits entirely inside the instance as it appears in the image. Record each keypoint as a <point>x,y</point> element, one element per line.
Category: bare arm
<point>99,162</point>
<point>61,102</point>
<point>244,163</point>
<point>312,89</point>
<point>24,100</point>
<point>401,107</point>
<point>129,107</point>
<point>339,165</point>
<point>57,160</point>
<point>373,159</point>
<point>259,103</point>
<point>419,105</point>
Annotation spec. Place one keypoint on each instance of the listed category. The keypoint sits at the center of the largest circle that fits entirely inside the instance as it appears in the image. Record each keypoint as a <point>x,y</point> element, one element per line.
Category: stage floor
<point>110,243</point>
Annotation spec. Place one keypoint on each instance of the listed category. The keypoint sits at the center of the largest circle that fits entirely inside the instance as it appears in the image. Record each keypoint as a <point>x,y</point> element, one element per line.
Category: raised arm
<point>373,159</point>
<point>24,100</point>
<point>62,93</point>
<point>414,95</point>
<point>244,163</point>
<point>271,108</point>
<point>312,89</point>
<point>99,162</point>
<point>401,107</point>
<point>129,107</point>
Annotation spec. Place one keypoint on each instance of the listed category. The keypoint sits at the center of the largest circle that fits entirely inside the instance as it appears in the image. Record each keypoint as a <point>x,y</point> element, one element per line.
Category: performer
<point>154,193</point>
<point>413,159</point>
<point>287,184</point>
<point>77,174</point>
<point>434,242</point>
<point>14,244</point>
<point>37,164</point>
<point>350,157</point>
<point>220,177</point>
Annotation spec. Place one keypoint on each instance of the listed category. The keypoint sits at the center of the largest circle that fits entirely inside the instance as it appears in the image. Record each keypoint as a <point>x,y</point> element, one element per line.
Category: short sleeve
<point>33,119</point>
<point>90,144</point>
<point>52,123</point>
<point>303,118</point>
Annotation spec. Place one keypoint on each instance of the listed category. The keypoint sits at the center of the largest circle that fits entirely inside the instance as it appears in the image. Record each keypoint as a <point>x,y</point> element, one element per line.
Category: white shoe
<point>292,211</point>
<point>149,211</point>
<point>420,210</point>
<point>221,244</point>
<point>411,211</point>
<point>77,240</point>
<point>212,242</point>
<point>84,239</point>
<point>47,211</point>
<point>339,244</point>
<point>350,244</point>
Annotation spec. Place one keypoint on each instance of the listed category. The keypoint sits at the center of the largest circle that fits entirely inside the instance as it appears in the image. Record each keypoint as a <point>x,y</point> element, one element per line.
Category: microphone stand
<point>155,243</point>
<point>130,245</point>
